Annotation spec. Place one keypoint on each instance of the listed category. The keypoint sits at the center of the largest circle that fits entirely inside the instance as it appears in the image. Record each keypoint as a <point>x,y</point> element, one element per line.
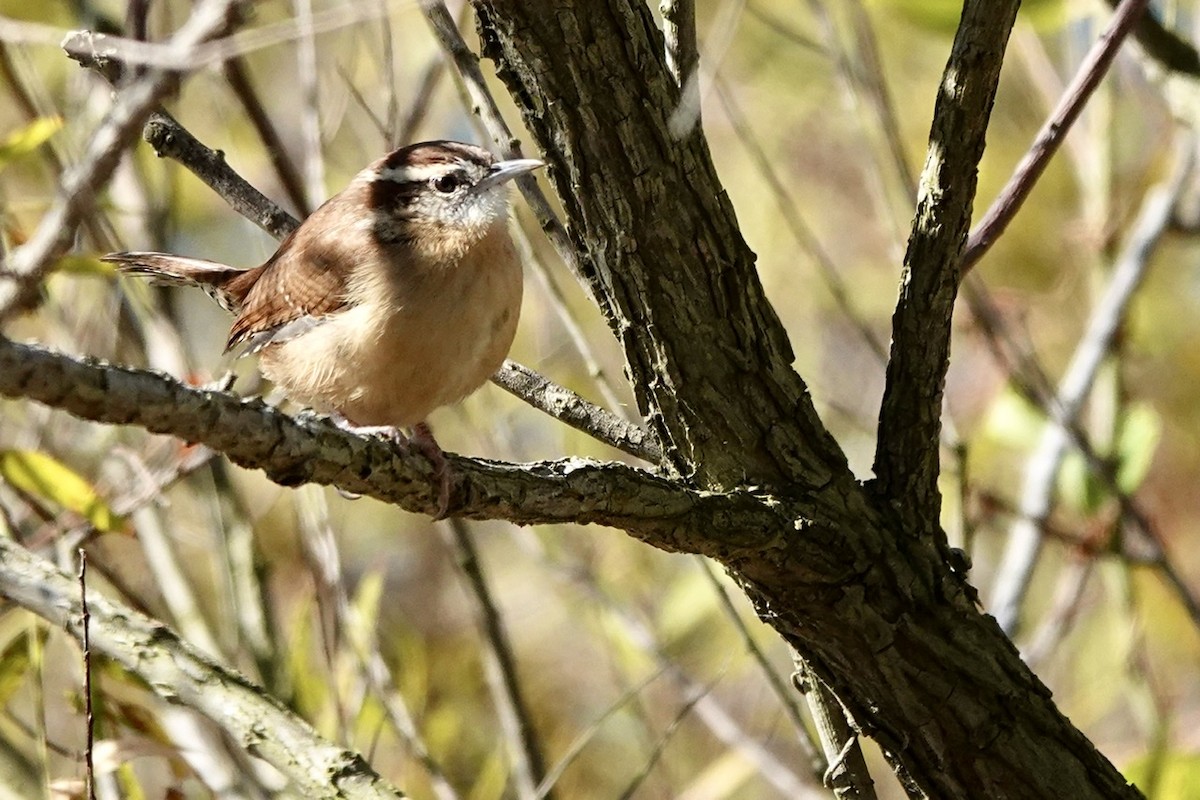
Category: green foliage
<point>24,141</point>
<point>42,476</point>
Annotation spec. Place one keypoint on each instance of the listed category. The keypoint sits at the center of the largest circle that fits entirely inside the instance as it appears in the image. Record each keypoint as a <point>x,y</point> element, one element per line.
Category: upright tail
<point>217,280</point>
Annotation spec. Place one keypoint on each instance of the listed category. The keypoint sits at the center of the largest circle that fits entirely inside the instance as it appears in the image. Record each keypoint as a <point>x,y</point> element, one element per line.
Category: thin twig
<point>77,192</point>
<point>581,741</point>
<point>1051,136</point>
<point>405,127</point>
<point>874,77</point>
<point>310,122</point>
<point>582,415</point>
<point>277,153</point>
<point>656,751</point>
<point>803,234</point>
<point>846,774</point>
<point>784,693</point>
<point>513,708</point>
<point>893,198</point>
<point>579,340</point>
<point>467,65</point>
<point>1037,497</point>
<point>86,625</point>
<point>1168,49</point>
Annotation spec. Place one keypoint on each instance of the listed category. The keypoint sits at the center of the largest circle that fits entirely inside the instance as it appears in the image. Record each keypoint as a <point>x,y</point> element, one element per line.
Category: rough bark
<point>857,584</point>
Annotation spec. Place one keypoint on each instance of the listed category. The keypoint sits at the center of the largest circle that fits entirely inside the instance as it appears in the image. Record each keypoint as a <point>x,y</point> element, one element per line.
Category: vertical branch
<point>310,121</point>
<point>683,61</point>
<point>786,697</point>
<point>511,702</point>
<point>85,624</point>
<point>847,774</point>
<point>906,455</point>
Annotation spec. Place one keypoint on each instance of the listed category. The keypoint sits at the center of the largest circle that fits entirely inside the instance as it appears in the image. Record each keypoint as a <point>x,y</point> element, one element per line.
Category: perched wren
<point>397,296</point>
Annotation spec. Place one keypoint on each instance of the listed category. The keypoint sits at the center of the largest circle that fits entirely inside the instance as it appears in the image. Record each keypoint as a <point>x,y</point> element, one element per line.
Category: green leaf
<point>1013,421</point>
<point>1137,442</point>
<point>24,141</point>
<point>47,478</point>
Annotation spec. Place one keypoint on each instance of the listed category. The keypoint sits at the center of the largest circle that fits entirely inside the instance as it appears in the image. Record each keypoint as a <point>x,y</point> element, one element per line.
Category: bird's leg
<point>421,440</point>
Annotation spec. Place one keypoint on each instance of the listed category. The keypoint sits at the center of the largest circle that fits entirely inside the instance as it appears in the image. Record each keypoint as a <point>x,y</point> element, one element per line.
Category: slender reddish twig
<point>1051,136</point>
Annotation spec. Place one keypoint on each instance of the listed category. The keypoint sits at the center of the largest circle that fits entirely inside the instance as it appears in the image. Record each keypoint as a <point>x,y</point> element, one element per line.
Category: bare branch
<point>238,77</point>
<point>847,774</point>
<point>1164,45</point>
<point>294,450</point>
<point>508,694</point>
<point>77,193</point>
<point>181,673</point>
<point>907,451</point>
<point>582,415</point>
<point>1037,497</point>
<point>1051,136</point>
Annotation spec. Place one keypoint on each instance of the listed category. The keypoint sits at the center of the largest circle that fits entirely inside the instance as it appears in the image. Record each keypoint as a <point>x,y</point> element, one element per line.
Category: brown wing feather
<point>297,282</point>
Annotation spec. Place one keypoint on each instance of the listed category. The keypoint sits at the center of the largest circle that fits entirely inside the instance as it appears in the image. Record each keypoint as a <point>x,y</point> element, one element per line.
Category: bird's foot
<point>421,441</point>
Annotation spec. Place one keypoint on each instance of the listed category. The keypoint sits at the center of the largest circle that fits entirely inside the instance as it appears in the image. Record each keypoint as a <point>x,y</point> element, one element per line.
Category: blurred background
<point>639,674</point>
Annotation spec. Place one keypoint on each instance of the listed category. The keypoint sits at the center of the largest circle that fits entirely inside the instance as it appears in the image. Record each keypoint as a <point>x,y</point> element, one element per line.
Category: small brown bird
<point>397,296</point>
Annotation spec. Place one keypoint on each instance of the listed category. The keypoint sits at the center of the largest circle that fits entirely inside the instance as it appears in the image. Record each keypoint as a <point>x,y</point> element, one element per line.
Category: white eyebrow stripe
<point>414,174</point>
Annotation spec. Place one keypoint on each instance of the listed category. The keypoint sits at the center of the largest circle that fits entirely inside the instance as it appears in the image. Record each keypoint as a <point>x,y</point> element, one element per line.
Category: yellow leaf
<point>25,140</point>
<point>45,477</point>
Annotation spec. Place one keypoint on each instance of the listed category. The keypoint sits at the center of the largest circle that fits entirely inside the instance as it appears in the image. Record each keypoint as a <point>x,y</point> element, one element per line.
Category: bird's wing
<point>298,289</point>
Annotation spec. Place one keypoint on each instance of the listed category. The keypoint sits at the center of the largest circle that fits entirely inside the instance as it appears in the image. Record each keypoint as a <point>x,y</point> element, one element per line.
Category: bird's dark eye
<point>447,183</point>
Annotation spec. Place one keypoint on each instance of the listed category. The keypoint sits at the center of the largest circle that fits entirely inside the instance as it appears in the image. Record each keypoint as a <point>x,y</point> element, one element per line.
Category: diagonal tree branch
<point>181,673</point>
<point>907,450</point>
<point>76,196</point>
<point>1052,134</point>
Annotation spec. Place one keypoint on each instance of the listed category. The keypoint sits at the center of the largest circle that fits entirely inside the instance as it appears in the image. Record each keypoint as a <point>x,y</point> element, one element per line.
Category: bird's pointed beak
<point>504,171</point>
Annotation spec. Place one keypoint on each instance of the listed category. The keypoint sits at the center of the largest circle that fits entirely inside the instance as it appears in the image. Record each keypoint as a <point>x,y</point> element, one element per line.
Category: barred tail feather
<point>170,270</point>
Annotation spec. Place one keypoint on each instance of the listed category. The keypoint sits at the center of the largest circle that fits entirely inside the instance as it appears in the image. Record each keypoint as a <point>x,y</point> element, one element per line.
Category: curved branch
<point>307,449</point>
<point>179,672</point>
<point>567,407</point>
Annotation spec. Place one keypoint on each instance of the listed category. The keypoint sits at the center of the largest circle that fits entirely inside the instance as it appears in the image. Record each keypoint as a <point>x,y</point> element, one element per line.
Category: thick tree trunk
<point>857,579</point>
